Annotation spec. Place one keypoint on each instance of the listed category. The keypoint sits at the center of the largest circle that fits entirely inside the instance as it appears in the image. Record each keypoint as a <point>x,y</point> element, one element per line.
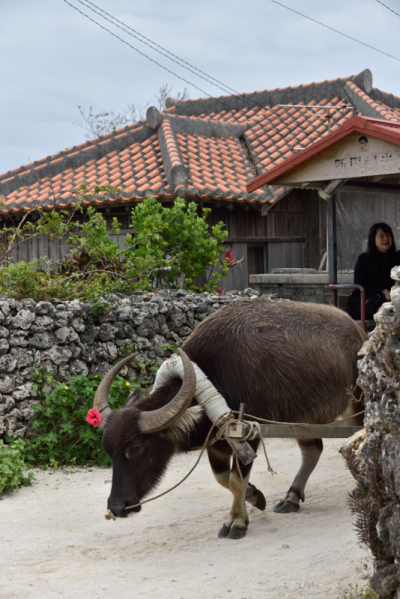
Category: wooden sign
<point>358,155</point>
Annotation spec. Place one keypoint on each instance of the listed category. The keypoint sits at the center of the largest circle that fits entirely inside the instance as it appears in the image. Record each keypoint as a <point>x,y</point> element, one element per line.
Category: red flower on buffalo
<point>93,417</point>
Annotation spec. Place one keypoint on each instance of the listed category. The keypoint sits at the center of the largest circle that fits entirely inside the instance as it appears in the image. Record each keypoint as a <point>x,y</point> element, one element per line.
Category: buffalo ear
<point>133,398</point>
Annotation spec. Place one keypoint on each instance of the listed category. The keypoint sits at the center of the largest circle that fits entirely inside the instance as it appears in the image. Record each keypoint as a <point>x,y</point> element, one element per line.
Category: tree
<point>164,92</point>
<point>105,122</point>
<point>172,248</point>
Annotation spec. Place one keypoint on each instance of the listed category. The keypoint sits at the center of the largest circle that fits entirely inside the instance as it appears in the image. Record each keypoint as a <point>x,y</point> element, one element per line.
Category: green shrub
<point>12,465</point>
<point>62,435</point>
<point>21,278</point>
<point>173,247</point>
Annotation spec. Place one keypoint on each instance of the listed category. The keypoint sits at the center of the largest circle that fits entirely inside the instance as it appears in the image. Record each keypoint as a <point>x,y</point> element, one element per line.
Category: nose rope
<point>111,516</point>
<point>251,435</point>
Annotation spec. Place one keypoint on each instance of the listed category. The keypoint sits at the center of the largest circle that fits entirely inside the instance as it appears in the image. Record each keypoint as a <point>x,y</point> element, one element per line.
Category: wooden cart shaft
<point>298,431</point>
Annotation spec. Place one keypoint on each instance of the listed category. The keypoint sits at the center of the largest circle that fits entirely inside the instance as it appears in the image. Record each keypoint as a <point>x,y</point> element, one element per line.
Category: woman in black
<point>372,271</point>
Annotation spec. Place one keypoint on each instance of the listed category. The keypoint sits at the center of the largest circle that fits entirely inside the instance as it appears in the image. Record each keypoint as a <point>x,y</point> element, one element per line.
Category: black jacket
<point>374,276</point>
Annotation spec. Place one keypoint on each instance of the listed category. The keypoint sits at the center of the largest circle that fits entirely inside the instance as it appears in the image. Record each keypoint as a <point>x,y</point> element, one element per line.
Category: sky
<point>53,59</point>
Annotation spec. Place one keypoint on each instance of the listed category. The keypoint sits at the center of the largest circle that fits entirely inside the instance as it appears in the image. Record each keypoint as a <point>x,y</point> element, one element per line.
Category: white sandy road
<point>55,542</point>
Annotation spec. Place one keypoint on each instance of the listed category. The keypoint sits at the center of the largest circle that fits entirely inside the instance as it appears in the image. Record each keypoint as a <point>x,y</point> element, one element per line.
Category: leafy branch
<point>172,247</point>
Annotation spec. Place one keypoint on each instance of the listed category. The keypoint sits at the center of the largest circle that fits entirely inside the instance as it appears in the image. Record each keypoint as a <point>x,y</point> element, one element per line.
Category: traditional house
<point>206,151</point>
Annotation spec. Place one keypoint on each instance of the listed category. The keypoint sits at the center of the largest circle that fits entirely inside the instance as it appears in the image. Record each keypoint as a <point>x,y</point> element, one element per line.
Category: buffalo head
<point>136,436</point>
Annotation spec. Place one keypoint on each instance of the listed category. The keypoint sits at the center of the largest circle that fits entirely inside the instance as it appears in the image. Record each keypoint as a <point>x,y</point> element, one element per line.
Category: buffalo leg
<point>311,450</point>
<point>235,526</point>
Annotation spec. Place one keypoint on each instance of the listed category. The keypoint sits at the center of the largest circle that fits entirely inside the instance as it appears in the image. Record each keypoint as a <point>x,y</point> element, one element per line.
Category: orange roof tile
<point>200,146</point>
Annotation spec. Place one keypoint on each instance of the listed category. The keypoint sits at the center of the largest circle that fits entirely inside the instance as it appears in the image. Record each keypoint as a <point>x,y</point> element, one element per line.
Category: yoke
<point>299,431</point>
<point>239,430</point>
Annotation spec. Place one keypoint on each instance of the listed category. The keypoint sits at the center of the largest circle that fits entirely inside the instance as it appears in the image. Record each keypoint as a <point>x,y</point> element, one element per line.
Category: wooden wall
<point>292,234</point>
<point>357,211</point>
<point>41,248</point>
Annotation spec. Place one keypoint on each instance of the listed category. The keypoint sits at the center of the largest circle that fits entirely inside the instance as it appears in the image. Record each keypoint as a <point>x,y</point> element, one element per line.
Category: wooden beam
<point>298,431</point>
<point>370,187</point>
<point>263,239</point>
<point>377,178</point>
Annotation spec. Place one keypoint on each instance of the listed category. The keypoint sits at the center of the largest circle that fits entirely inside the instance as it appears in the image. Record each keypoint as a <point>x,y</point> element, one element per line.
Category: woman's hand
<point>386,293</point>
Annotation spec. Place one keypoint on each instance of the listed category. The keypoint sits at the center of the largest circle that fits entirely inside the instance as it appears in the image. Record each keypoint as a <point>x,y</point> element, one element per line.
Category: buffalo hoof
<point>232,532</point>
<point>255,497</point>
<point>224,532</point>
<point>286,507</point>
<point>237,533</point>
<point>260,503</point>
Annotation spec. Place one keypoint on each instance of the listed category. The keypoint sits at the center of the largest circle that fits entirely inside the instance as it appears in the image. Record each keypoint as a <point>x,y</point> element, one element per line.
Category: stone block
<point>42,340</point>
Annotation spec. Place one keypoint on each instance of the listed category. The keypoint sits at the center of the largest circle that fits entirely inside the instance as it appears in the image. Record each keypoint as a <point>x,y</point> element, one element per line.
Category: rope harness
<point>222,425</point>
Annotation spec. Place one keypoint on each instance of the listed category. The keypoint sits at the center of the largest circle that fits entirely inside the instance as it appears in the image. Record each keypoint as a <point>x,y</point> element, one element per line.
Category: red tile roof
<point>389,131</point>
<point>206,149</point>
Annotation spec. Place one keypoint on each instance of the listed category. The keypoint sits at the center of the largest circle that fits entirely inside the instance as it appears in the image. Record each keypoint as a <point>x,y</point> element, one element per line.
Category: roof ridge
<point>367,106</point>
<point>194,125</point>
<point>175,171</point>
<point>73,149</point>
<point>304,92</point>
<point>390,100</point>
<point>205,127</point>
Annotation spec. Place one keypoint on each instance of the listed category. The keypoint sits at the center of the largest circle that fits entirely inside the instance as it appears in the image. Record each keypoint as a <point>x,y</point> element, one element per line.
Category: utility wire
<point>154,45</point>
<point>388,7</point>
<point>336,30</point>
<point>291,125</point>
<point>165,52</point>
<point>146,56</point>
<point>117,23</point>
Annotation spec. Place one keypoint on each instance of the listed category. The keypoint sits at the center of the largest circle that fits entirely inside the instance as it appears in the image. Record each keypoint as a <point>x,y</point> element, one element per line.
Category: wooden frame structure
<point>364,150</point>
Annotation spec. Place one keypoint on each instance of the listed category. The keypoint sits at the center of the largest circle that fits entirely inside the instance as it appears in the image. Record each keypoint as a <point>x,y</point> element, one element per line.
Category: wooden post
<point>332,248</point>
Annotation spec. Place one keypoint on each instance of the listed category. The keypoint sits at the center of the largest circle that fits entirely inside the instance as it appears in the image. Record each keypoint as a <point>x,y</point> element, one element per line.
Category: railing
<point>333,287</point>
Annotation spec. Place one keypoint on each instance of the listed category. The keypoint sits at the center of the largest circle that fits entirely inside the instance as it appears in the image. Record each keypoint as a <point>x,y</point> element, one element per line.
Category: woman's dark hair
<point>372,250</point>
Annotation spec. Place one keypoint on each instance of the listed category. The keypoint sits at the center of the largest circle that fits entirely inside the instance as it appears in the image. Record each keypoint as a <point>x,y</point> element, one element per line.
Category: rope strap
<point>205,393</point>
<point>254,430</point>
<point>222,424</point>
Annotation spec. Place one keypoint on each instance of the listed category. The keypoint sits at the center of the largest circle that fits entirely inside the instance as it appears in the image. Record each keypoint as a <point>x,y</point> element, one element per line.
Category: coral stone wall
<point>378,504</point>
<point>66,338</point>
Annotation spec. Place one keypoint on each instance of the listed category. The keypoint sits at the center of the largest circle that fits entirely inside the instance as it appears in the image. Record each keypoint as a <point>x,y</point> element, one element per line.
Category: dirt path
<point>55,542</point>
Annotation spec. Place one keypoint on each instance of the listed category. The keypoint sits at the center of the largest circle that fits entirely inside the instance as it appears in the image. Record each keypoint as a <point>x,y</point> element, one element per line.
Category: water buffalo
<point>289,362</point>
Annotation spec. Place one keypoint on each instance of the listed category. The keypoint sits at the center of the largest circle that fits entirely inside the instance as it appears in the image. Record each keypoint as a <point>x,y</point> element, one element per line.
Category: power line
<point>165,53</point>
<point>336,30</point>
<point>145,55</point>
<point>154,45</point>
<point>388,7</point>
<point>248,101</point>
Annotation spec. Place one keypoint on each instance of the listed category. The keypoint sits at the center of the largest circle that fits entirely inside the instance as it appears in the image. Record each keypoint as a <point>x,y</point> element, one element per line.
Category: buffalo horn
<point>156,420</point>
<point>100,401</point>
